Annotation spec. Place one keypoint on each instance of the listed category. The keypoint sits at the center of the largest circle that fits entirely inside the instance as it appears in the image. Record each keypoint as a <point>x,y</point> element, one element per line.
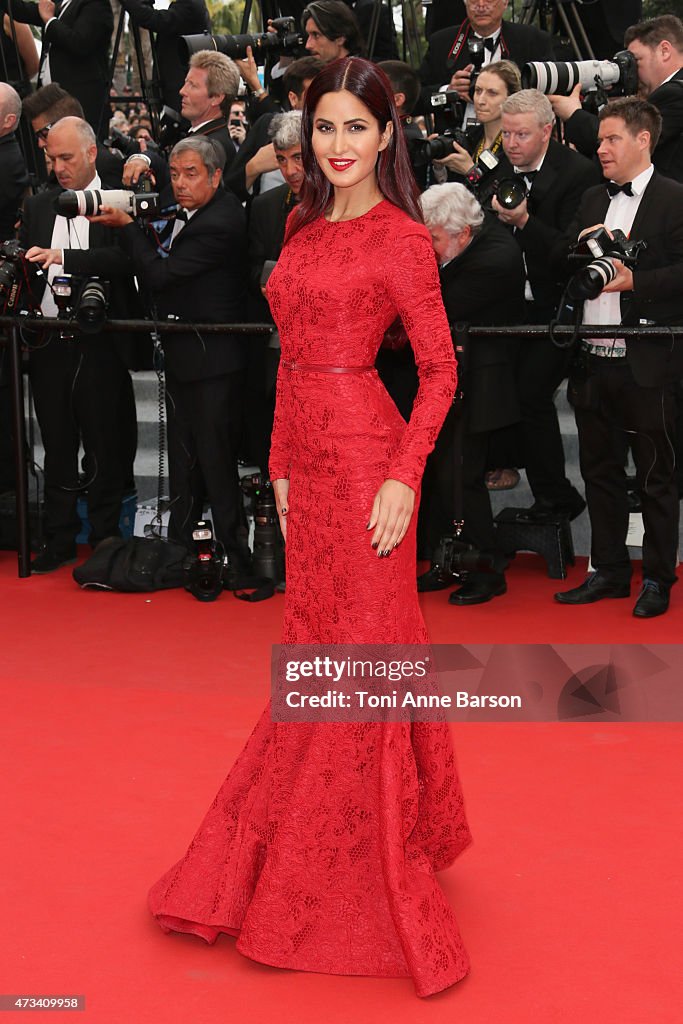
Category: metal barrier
<point>10,337</point>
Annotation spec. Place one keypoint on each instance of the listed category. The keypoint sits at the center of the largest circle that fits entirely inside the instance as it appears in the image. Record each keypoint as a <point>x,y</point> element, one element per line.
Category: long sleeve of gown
<point>412,281</point>
<point>280,442</point>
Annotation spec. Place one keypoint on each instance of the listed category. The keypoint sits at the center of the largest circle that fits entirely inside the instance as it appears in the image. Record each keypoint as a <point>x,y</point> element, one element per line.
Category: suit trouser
<point>541,367</point>
<point>204,430</point>
<point>439,492</point>
<point>80,389</point>
<point>607,400</point>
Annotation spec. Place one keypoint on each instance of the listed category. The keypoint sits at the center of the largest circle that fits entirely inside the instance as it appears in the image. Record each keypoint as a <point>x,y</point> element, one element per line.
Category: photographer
<point>657,46</point>
<point>13,174</point>
<point>183,17</point>
<point>202,277</point>
<point>81,385</point>
<point>448,62</point>
<point>482,282</point>
<point>554,178</point>
<point>627,385</point>
<point>75,48</point>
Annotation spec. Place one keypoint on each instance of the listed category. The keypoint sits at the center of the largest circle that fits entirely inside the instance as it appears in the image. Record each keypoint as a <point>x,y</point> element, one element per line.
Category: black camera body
<point>82,299</point>
<point>453,557</point>
<point>204,569</point>
<point>285,40</point>
<point>448,110</point>
<point>12,270</point>
<point>423,151</point>
<point>596,250</point>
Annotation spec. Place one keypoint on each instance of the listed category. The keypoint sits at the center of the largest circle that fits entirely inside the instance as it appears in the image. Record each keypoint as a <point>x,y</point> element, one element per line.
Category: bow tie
<point>182,215</point>
<point>490,43</point>
<point>529,175</point>
<point>614,189</point>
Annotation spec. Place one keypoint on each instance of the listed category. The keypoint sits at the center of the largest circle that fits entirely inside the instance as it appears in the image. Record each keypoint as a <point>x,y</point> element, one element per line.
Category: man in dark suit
<point>556,178</point>
<point>13,173</point>
<point>182,18</point>
<point>81,385</point>
<point>627,386</point>
<point>472,252</point>
<point>202,278</point>
<point>657,45</point>
<point>447,61</point>
<point>75,48</point>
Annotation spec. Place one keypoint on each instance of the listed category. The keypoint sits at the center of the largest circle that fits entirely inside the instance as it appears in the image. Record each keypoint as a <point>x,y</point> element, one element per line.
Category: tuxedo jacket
<point>485,285</point>
<point>520,43</point>
<point>103,258</point>
<point>79,47</point>
<point>581,129</point>
<point>267,218</point>
<point>183,18</point>
<point>13,183</point>
<point>235,174</point>
<point>657,295</point>
<point>555,195</point>
<point>203,279</point>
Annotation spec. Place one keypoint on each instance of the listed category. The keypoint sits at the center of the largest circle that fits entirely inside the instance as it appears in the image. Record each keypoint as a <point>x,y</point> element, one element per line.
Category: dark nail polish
<point>367,527</point>
<point>375,544</point>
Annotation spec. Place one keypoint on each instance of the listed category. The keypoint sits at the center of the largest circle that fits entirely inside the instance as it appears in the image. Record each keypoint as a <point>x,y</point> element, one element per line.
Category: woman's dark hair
<point>395,178</point>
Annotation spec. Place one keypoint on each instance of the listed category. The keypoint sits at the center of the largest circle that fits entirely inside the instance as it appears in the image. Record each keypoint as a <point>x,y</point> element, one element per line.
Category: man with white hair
<point>13,174</point>
<point>482,282</point>
<point>81,385</point>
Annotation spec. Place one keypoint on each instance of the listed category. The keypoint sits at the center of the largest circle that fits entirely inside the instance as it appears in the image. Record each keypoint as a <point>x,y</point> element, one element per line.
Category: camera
<point>83,299</point>
<point>12,258</point>
<point>448,110</point>
<point>89,202</point>
<point>477,52</point>
<point>511,192</point>
<point>268,554</point>
<point>423,151</point>
<point>126,145</point>
<point>284,40</point>
<point>454,557</point>
<point>600,250</point>
<point>203,570</point>
<point>619,75</point>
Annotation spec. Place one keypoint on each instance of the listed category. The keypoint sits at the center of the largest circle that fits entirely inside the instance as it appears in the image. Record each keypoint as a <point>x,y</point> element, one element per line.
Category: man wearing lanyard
<point>627,385</point>
<point>76,36</point>
<point>447,63</point>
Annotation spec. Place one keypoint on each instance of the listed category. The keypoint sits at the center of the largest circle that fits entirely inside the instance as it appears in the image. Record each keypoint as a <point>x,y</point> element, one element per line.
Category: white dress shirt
<point>67,233</point>
<point>606,309</point>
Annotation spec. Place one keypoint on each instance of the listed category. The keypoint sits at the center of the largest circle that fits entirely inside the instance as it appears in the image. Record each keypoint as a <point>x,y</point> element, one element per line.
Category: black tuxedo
<point>235,172</point>
<point>78,47</point>
<point>581,129</point>
<point>183,18</point>
<point>555,194</point>
<point>82,389</point>
<point>202,279</point>
<point>635,394</point>
<point>519,43</point>
<point>13,183</point>
<point>487,379</point>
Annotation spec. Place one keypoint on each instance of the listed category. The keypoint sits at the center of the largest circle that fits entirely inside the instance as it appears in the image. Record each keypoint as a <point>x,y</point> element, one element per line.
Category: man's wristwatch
<point>258,93</point>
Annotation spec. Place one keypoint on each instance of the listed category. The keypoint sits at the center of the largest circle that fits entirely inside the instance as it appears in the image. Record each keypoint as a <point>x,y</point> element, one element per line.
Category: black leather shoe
<point>652,600</point>
<point>432,580</point>
<point>478,589</point>
<point>542,511</point>
<point>50,559</point>
<point>594,588</point>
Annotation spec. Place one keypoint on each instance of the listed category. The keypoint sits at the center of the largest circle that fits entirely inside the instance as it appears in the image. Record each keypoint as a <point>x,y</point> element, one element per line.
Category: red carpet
<point>123,713</point>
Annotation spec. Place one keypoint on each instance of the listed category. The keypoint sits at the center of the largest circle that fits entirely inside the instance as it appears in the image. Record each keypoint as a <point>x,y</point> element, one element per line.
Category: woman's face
<point>347,140</point>
<point>490,92</point>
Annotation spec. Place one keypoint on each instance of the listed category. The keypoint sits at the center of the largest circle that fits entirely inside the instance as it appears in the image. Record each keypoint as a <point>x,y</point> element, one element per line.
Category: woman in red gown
<point>320,848</point>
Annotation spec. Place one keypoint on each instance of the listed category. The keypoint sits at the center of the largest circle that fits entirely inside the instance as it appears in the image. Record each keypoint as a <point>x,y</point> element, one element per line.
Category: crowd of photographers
<point>517,155</point>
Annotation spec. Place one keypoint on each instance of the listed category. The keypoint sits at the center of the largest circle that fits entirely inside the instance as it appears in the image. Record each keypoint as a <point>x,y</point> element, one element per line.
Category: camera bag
<point>136,565</point>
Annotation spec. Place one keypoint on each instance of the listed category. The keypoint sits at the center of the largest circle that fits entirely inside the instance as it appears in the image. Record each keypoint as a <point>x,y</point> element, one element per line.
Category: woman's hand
<point>390,517</point>
<point>459,160</point>
<point>281,492</point>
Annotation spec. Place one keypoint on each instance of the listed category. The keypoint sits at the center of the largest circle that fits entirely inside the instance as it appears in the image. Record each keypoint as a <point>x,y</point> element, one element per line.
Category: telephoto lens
<point>589,282</point>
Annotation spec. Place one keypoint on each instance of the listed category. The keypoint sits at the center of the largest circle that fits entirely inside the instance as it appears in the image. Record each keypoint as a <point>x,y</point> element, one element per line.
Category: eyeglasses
<point>43,132</point>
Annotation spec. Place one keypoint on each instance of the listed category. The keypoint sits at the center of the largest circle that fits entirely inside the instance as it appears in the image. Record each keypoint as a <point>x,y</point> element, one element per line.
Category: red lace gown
<point>320,848</point>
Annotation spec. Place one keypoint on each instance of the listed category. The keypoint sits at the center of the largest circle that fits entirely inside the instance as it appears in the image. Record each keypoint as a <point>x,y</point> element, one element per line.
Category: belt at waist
<point>323,368</point>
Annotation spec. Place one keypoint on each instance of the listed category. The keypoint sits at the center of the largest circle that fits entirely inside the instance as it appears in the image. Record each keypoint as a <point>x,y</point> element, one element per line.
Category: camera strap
<point>460,41</point>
